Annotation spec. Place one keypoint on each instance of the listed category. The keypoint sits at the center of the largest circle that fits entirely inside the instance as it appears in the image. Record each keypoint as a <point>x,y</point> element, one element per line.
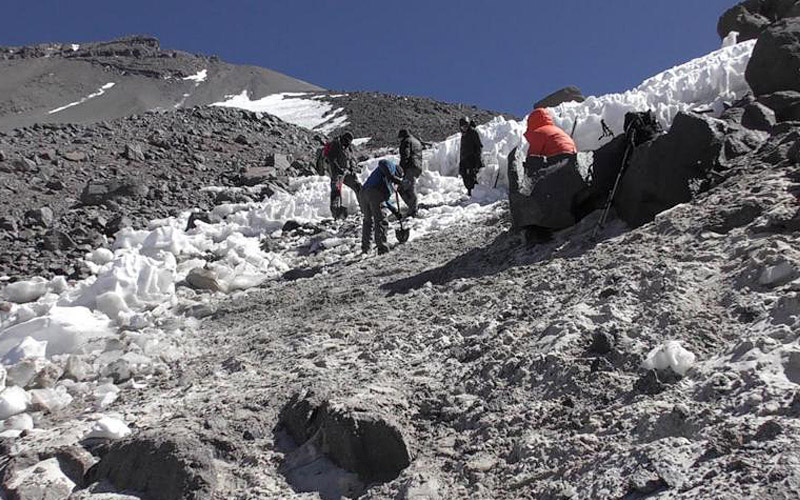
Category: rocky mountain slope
<point>250,350</point>
<point>68,188</point>
<point>44,83</point>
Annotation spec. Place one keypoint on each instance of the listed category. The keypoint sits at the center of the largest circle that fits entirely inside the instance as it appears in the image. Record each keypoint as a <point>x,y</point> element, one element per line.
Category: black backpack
<point>641,127</point>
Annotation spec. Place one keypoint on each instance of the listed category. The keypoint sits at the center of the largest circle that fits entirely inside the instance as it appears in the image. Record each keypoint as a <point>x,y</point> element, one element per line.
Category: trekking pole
<point>574,126</point>
<point>602,222</point>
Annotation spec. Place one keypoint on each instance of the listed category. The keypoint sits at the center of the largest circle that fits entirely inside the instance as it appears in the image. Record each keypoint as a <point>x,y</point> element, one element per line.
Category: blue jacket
<point>382,177</point>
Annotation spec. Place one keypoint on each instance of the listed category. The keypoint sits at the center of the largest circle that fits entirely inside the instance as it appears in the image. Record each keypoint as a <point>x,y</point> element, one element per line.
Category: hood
<point>539,118</point>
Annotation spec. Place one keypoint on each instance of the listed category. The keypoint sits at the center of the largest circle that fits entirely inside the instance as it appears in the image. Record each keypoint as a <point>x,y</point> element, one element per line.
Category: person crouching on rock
<point>411,163</point>
<point>545,138</point>
<point>470,161</point>
<point>373,198</point>
<point>342,165</point>
<point>547,142</point>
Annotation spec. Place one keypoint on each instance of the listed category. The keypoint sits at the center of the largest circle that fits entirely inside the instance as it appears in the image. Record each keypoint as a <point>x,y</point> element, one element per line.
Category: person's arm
<point>389,175</point>
<point>394,210</point>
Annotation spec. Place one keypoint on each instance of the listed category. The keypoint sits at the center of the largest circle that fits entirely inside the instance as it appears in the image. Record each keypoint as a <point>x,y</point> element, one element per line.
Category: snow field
<point>292,107</point>
<point>121,325</point>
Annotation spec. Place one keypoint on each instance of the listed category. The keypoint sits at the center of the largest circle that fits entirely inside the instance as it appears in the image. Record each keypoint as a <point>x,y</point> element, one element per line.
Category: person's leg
<point>366,227</point>
<point>350,180</point>
<point>336,196</point>
<point>408,194</point>
<point>381,225</point>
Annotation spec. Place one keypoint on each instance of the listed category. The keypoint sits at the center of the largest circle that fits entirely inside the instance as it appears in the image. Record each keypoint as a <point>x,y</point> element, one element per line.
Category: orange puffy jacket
<point>545,138</point>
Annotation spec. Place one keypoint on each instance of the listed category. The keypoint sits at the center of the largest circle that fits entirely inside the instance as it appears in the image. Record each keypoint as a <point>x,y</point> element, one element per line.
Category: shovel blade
<point>402,234</point>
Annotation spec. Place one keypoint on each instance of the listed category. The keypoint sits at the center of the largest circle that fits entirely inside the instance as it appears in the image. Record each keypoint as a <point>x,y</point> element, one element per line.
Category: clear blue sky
<point>501,55</point>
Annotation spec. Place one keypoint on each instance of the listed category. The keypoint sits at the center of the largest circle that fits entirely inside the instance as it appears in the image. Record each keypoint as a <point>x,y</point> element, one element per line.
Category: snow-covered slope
<point>134,317</point>
<point>301,109</point>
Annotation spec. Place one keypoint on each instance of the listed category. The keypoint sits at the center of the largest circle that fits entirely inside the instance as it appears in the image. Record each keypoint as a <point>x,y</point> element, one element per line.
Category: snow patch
<point>292,107</point>
<point>100,91</point>
<point>65,329</point>
<point>108,428</point>
<point>198,77</point>
<point>669,355</point>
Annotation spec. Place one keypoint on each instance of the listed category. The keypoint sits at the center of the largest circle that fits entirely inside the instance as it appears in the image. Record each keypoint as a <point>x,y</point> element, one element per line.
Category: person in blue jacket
<point>374,197</point>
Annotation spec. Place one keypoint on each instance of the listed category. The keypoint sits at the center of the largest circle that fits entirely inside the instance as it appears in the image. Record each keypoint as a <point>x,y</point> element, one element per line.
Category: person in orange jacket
<point>545,138</point>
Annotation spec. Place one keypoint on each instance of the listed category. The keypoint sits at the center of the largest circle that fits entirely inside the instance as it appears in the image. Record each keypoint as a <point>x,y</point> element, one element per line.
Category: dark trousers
<point>375,221</point>
<point>469,174</point>
<point>408,193</point>
<point>350,180</point>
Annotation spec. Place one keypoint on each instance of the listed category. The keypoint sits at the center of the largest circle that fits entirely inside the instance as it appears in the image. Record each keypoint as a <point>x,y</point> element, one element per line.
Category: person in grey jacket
<point>342,164</point>
<point>411,163</point>
<point>470,161</point>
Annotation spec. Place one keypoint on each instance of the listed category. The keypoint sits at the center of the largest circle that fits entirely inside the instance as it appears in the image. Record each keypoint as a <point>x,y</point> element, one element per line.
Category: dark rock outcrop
<point>162,467</point>
<point>785,104</point>
<point>670,169</point>
<point>751,17</point>
<point>357,440</point>
<point>96,193</point>
<point>756,116</point>
<point>775,63</point>
<point>567,94</point>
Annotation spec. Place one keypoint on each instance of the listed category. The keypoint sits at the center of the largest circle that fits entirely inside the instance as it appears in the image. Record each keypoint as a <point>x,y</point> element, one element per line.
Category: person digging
<point>374,196</point>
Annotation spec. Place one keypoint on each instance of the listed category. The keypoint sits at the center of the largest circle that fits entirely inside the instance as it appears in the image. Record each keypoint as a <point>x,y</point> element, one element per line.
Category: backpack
<point>321,159</point>
<point>642,127</point>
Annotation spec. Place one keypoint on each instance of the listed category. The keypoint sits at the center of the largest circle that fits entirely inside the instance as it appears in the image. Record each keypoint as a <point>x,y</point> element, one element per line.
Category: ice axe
<point>402,233</point>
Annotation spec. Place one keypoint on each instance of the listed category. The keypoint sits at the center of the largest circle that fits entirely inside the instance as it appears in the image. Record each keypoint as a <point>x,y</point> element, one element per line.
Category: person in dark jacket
<point>342,164</point>
<point>470,154</point>
<point>374,197</point>
<point>411,163</point>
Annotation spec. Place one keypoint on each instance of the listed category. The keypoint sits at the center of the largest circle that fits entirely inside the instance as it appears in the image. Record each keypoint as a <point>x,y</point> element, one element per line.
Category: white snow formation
<point>100,91</point>
<point>669,355</point>
<point>293,107</point>
<point>108,428</point>
<point>122,323</point>
<point>198,77</point>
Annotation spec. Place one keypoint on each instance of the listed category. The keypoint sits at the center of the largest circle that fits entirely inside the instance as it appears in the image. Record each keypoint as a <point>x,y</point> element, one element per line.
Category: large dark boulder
<point>544,191</point>
<point>356,439</point>
<point>671,169</point>
<point>785,104</point>
<point>751,17</point>
<point>160,466</point>
<point>567,94</point>
<point>775,63</point>
<point>97,193</point>
<point>758,117</point>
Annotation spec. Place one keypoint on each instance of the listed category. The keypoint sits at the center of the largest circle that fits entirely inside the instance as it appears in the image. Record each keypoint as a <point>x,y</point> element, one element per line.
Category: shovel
<point>402,233</point>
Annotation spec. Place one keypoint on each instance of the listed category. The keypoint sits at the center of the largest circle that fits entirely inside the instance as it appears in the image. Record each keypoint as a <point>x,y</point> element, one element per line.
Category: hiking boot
<point>383,250</point>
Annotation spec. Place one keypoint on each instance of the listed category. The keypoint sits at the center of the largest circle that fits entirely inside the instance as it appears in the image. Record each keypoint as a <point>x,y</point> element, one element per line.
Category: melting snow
<point>100,91</point>
<point>292,107</point>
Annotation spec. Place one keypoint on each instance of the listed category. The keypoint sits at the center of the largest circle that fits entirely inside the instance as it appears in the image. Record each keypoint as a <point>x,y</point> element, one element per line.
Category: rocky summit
<point>181,317</point>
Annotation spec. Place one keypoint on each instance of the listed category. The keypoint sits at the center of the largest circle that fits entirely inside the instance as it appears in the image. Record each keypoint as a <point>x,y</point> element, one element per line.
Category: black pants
<point>469,174</point>
<point>408,193</point>
<point>350,180</point>
<point>375,222</point>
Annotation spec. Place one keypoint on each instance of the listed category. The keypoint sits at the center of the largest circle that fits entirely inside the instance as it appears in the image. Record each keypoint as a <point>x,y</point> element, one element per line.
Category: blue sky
<point>501,55</point>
